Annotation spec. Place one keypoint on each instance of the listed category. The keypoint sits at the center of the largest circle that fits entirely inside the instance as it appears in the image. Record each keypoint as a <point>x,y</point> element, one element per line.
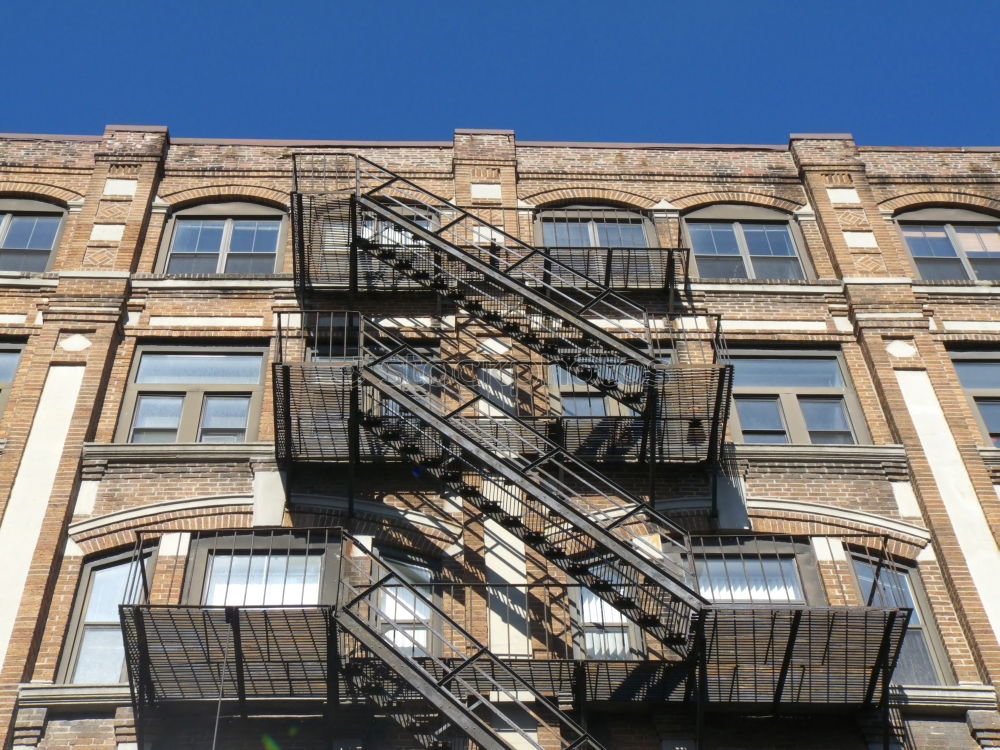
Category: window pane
<point>289,579</point>
<point>199,368</point>
<point>713,239</point>
<point>198,235</point>
<point>787,371</point>
<point>941,269</point>
<point>193,263</point>
<point>247,263</point>
<point>31,232</point>
<point>826,420</point>
<point>891,590</point>
<point>768,239</point>
<point>914,666</point>
<point>749,579</point>
<point>620,233</point>
<point>157,418</point>
<point>400,604</point>
<point>928,241</point>
<point>777,268</point>
<point>596,610</point>
<point>606,643</point>
<point>101,656</point>
<point>224,419</point>
<point>990,411</point>
<point>254,236</point>
<point>566,233</point>
<point>26,261</point>
<point>710,267</point>
<point>985,239</point>
<point>8,364</point>
<point>583,405</point>
<point>498,386</point>
<point>759,414</point>
<point>986,266</point>
<point>108,589</point>
<point>974,374</point>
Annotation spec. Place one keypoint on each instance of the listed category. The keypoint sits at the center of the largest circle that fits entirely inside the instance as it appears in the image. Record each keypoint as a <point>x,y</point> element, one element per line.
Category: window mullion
<point>795,423</point>
<point>741,243</point>
<point>949,230</point>
<point>5,220</point>
<point>227,234</point>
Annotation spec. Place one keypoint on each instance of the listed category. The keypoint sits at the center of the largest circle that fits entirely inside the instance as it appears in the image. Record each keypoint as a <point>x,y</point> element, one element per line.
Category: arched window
<point>952,243</point>
<point>731,241</point>
<point>29,232</point>
<point>239,239</point>
<point>613,245</point>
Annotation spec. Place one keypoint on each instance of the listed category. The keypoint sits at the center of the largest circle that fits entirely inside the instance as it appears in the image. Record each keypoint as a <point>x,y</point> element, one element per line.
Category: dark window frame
<point>228,211</point>
<point>6,386</point>
<point>193,394</point>
<point>794,423</point>
<point>947,219</point>
<point>11,207</point>
<point>738,215</point>
<point>940,662</point>
<point>73,640</point>
<point>976,395</point>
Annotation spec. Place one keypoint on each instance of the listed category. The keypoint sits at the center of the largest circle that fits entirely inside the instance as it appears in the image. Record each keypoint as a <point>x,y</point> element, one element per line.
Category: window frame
<point>974,395</point>
<point>800,550</point>
<point>73,640</point>
<point>635,641</point>
<point>739,214</point>
<point>10,207</point>
<point>193,395</point>
<point>392,555</point>
<point>201,549</point>
<point>947,219</point>
<point>228,211</point>
<point>6,386</point>
<point>794,421</point>
<point>939,660</point>
<point>591,213</point>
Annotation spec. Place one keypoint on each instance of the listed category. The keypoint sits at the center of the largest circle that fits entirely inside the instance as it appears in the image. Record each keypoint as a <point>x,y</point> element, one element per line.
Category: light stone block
<point>107,232</point>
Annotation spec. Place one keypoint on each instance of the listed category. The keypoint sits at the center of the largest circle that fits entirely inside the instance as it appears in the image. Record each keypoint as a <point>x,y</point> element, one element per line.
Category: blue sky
<point>705,71</point>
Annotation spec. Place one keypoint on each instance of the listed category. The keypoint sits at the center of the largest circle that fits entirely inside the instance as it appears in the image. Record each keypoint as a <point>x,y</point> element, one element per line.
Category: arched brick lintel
<point>590,194</point>
<point>220,193</point>
<point>953,198</point>
<point>699,200</point>
<point>38,191</point>
<point>778,516</point>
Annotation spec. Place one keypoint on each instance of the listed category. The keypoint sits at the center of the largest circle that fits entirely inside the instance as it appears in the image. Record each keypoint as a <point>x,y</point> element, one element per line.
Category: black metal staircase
<point>578,322</point>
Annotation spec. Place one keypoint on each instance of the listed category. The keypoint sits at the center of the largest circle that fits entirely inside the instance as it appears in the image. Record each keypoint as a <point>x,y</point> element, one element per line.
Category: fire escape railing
<point>580,323</point>
<point>382,642</point>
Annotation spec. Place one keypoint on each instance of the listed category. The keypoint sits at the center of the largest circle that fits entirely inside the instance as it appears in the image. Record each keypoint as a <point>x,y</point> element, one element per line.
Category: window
<point>920,661</point>
<point>193,396</point>
<point>743,242</point>
<point>952,244</point>
<point>980,377</point>
<point>614,246</point>
<point>97,653</point>
<point>757,569</point>
<point>579,398</point>
<point>771,579</point>
<point>247,578</point>
<point>794,399</point>
<point>10,355</point>
<point>231,238</point>
<point>407,617</point>
<point>607,634</point>
<point>28,233</point>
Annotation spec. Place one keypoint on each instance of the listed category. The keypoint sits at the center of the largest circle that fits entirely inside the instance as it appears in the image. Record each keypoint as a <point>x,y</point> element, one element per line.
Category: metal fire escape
<point>380,398</point>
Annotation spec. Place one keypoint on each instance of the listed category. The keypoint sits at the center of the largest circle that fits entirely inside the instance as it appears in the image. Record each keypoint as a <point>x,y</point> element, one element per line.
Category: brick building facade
<point>498,443</point>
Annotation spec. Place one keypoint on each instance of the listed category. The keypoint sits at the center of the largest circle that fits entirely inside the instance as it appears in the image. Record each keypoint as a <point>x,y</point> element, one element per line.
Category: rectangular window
<point>980,377</point>
<point>263,579</point>
<point>99,655</point>
<point>26,240</point>
<point>742,250</point>
<point>794,399</point>
<point>606,632</point>
<point>10,356</point>
<point>954,251</point>
<point>182,396</point>
<point>223,245</point>
<point>889,586</point>
<point>766,579</point>
<point>406,616</point>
